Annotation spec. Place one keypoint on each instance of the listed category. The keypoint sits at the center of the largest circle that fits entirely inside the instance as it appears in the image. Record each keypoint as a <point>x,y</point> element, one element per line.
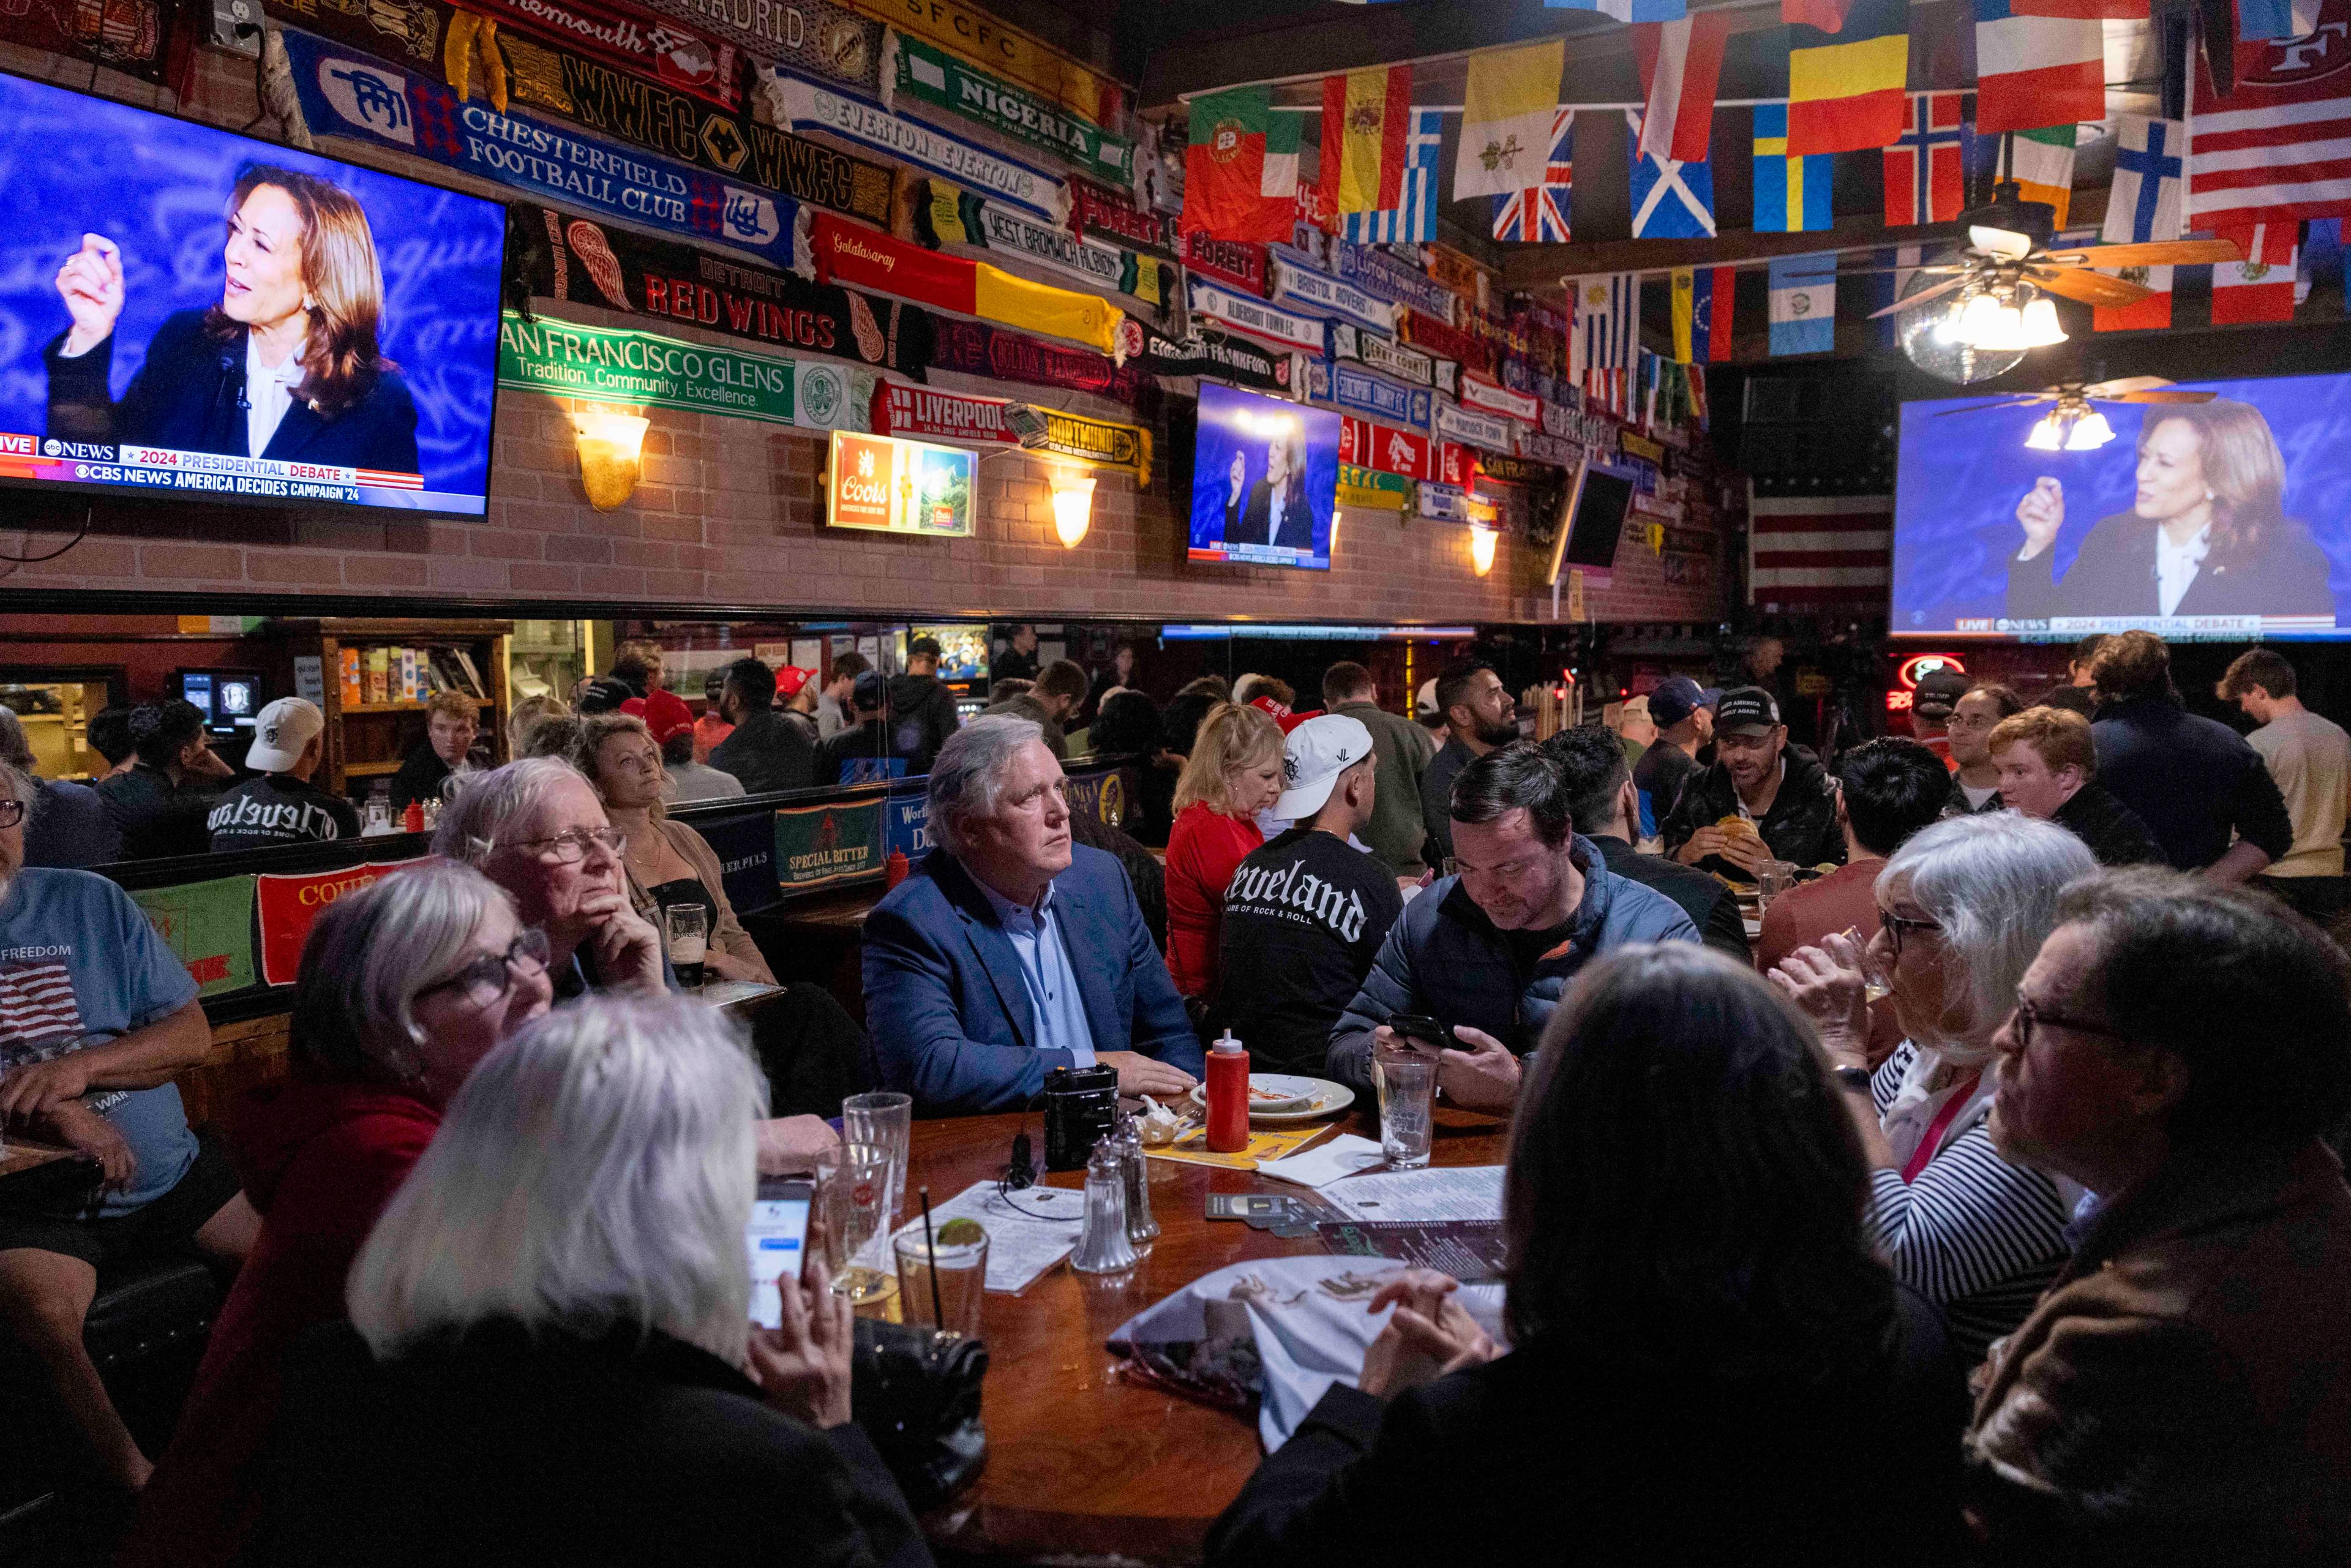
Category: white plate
<point>1312,1097</point>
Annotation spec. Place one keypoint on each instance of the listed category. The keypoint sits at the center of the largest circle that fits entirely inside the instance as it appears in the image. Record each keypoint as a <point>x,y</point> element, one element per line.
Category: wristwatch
<point>1851,1077</point>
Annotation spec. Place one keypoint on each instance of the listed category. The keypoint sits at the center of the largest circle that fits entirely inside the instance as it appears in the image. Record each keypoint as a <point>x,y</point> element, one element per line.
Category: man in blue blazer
<point>1011,951</point>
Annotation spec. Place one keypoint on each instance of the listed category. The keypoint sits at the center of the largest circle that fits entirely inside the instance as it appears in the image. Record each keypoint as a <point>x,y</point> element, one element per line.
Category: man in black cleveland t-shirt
<point>282,806</point>
<point>1305,915</point>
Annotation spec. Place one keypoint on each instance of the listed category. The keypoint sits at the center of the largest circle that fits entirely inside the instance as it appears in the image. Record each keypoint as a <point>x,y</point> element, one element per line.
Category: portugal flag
<point>1240,171</point>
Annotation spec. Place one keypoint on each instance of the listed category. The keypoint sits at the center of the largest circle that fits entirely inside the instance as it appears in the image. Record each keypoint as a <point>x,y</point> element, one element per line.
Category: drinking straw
<point>938,1312</point>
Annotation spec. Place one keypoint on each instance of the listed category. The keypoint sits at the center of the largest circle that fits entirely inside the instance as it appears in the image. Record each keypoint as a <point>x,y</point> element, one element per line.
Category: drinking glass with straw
<point>946,1268</point>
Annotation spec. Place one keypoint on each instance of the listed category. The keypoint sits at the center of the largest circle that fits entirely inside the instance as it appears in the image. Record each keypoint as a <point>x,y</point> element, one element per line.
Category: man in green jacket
<point>1401,749</point>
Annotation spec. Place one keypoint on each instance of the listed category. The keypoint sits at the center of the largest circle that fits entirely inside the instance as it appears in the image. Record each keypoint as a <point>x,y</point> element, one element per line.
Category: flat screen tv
<point>192,313</point>
<point>2224,520</point>
<point>1592,520</point>
<point>1265,480</point>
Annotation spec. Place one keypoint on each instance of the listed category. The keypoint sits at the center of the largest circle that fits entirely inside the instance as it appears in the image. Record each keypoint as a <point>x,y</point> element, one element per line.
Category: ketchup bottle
<point>897,869</point>
<point>1229,1076</point>
<point>413,820</point>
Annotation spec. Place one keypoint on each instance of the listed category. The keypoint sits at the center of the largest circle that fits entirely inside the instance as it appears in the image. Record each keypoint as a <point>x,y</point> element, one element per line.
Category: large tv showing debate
<point>1265,480</point>
<point>2227,519</point>
<point>192,313</point>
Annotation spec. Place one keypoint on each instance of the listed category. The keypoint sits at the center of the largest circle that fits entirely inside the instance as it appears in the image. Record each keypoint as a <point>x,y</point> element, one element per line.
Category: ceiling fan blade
<point>2006,244</point>
<point>1892,271</point>
<point>2155,253</point>
<point>2086,287</point>
<point>2123,384</point>
<point>2158,397</point>
<point>1940,288</point>
<point>1990,407</point>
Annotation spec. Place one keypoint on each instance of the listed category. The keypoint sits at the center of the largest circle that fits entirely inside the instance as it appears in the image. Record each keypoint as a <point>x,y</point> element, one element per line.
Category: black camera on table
<point>1080,1108</point>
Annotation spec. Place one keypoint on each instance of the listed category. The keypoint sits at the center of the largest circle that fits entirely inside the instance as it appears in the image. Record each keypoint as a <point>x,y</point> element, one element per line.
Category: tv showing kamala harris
<point>2224,517</point>
<point>1265,480</point>
<point>195,313</point>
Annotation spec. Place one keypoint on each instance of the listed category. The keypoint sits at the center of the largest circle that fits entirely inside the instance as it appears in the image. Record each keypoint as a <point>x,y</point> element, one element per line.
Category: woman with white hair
<point>1964,905</point>
<point>404,986</point>
<point>550,1357</point>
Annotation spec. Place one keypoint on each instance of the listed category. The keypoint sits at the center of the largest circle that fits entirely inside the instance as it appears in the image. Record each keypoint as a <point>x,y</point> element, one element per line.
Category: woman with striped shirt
<point>1964,906</point>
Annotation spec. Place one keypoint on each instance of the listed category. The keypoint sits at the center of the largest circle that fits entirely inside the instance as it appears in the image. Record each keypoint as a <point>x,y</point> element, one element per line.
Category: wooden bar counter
<point>1081,1463</point>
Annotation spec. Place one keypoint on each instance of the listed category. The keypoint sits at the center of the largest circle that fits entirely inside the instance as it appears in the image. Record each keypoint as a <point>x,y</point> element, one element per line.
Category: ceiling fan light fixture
<point>1976,318</point>
<point>2048,434</point>
<point>2004,332</point>
<point>2040,325</point>
<point>2090,433</point>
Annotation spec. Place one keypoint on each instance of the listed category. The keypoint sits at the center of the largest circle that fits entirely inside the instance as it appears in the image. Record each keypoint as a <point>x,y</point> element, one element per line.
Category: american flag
<point>2272,150</point>
<point>1807,548</point>
<point>1414,218</point>
<point>1541,213</point>
<point>38,1013</point>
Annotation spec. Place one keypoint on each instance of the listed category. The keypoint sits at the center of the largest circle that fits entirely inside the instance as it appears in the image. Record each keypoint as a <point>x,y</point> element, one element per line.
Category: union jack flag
<point>1540,213</point>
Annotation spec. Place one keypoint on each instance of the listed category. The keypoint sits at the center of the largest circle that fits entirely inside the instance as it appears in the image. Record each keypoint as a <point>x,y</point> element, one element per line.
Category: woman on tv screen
<point>2206,534</point>
<point>1276,512</point>
<point>285,367</point>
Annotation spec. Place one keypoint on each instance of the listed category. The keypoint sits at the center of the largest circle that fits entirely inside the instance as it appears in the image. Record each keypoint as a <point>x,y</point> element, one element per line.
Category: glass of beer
<point>686,928</point>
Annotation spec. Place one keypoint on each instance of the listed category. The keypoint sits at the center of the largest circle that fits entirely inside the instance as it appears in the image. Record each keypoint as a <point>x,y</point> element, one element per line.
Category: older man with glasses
<point>2182,1393</point>
<point>536,829</point>
<point>1488,952</point>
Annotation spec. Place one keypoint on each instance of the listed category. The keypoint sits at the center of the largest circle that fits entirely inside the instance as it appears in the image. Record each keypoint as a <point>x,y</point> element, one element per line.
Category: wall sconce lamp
<point>1073,507</point>
<point>1481,548</point>
<point>612,453</point>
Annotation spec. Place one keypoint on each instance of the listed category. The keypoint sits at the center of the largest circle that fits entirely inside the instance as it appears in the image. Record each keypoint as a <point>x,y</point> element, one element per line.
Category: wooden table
<point>1081,1463</point>
<point>22,1155</point>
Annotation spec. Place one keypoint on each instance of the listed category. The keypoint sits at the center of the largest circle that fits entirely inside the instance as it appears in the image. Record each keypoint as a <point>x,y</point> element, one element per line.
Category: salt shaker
<point>1141,1229</point>
<point>1103,1246</point>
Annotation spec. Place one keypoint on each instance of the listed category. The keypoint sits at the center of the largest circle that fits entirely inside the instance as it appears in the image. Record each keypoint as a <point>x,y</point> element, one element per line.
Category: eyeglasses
<point>1509,870</point>
<point>2028,1018</point>
<point>570,846</point>
<point>486,980</point>
<point>12,811</point>
<point>1896,924</point>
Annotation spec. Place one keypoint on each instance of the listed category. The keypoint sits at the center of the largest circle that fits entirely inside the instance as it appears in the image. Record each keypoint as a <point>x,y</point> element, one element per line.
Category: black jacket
<point>866,742</point>
<point>2114,833</point>
<point>1437,799</point>
<point>766,752</point>
<point>1703,898</point>
<point>626,1447</point>
<point>155,816</point>
<point>1801,827</point>
<point>922,716</point>
<point>2192,779</point>
<point>186,396</point>
<point>2114,574</point>
<point>1558,1453</point>
<point>1248,523</point>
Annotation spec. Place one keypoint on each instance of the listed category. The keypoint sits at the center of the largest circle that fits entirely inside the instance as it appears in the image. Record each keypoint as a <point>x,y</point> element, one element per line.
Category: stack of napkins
<point>1343,1155</point>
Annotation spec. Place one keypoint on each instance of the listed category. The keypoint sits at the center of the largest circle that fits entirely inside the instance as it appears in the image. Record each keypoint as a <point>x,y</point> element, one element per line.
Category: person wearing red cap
<point>796,694</point>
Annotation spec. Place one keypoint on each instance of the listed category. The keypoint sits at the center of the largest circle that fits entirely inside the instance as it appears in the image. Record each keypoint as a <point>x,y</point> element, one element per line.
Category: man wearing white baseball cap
<point>1305,913</point>
<point>282,806</point>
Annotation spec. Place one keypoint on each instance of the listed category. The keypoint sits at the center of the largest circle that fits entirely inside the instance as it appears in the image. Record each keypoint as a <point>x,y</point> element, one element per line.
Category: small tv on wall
<point>1591,519</point>
<point>196,314</point>
<point>1265,480</point>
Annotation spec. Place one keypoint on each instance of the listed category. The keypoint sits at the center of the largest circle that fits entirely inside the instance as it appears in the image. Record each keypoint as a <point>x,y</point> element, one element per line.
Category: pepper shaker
<point>1141,1229</point>
<point>1103,1246</point>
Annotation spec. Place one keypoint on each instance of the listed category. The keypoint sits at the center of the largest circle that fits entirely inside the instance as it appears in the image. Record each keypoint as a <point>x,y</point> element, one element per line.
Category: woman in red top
<point>404,986</point>
<point>1234,772</point>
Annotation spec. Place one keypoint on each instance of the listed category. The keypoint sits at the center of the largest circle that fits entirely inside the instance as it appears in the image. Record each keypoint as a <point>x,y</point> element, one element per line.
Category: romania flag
<point>1845,88</point>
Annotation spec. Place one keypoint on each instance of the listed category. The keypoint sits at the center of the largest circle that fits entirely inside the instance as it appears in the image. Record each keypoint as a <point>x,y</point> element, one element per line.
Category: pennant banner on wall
<point>1297,284</point>
<point>1257,318</point>
<point>568,258</point>
<point>936,77</point>
<point>1011,51</point>
<point>289,906</point>
<point>798,104</point>
<point>1096,210</point>
<point>1213,356</point>
<point>1377,272</point>
<point>864,259</point>
<point>208,926</point>
<point>1486,397</point>
<point>1368,394</point>
<point>952,216</point>
<point>1385,355</point>
<point>1472,428</point>
<point>975,348</point>
<point>1236,264</point>
<point>929,415</point>
<point>672,54</point>
<point>1385,448</point>
<point>565,359</point>
<point>813,35</point>
<point>345,94</point>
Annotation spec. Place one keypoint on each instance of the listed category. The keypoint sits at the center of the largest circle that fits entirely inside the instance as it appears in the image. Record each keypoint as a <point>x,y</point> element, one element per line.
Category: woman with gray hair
<point>1964,906</point>
<point>550,1357</point>
<point>404,986</point>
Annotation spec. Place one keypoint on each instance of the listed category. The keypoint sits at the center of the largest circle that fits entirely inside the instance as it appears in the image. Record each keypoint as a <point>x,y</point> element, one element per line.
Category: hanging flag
<point>1803,304</point>
<point>2272,148</point>
<point>1240,171</point>
<point>1607,331</point>
<point>2154,311</point>
<point>2042,164</point>
<point>1541,213</point>
<point>2033,70</point>
<point>2321,252</point>
<point>1681,65</point>
<point>1886,288</point>
<point>1671,199</point>
<point>2276,18</point>
<point>1365,118</point>
<point>1805,548</point>
<point>1702,299</point>
<point>1844,89</point>
<point>2261,287</point>
<point>2116,10</point>
<point>1925,180</point>
<point>1412,218</point>
<point>1828,15</point>
<point>2144,203</point>
<point>1507,122</point>
<point>1791,194</point>
<point>1625,10</point>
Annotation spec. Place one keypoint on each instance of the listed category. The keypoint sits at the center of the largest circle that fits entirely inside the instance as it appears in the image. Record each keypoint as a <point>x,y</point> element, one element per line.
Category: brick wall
<point>726,514</point>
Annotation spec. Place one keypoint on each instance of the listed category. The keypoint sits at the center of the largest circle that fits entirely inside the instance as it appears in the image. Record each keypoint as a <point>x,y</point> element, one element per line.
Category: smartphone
<point>777,1238</point>
<point>1422,1029</point>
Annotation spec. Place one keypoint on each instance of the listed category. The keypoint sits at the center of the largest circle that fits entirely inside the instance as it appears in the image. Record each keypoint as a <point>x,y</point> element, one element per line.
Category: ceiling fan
<point>2072,424</point>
